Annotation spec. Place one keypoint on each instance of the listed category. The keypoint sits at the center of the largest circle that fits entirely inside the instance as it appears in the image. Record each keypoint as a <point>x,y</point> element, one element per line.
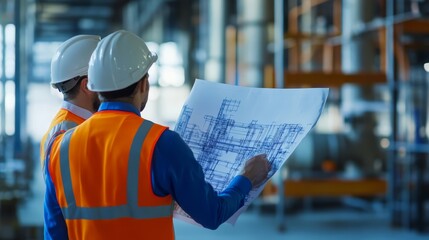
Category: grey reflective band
<point>65,169</point>
<point>55,131</point>
<point>134,162</point>
<point>62,126</point>
<point>122,211</point>
<point>131,209</point>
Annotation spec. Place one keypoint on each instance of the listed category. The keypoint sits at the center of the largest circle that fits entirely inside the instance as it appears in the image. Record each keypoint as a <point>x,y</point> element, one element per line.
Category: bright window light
<point>171,70</point>
<point>170,54</point>
<point>42,55</point>
<point>10,107</point>
<point>171,76</point>
<point>153,46</point>
<point>1,50</point>
<point>2,124</point>
<point>154,70</point>
<point>10,50</point>
<point>153,74</point>
<point>44,51</point>
<point>426,67</point>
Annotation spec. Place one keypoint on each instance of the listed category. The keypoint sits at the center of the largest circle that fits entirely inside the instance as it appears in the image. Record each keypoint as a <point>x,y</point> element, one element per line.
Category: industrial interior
<point>361,173</point>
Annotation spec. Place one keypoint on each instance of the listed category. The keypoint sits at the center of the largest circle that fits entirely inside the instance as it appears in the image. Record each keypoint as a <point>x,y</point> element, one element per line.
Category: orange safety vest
<point>101,171</point>
<point>62,121</point>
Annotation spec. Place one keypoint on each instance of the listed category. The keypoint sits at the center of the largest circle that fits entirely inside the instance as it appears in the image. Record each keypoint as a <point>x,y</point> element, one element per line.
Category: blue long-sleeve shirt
<point>174,171</point>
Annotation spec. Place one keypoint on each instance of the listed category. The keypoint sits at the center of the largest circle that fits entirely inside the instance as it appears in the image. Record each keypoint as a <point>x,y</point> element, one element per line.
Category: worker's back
<point>103,181</point>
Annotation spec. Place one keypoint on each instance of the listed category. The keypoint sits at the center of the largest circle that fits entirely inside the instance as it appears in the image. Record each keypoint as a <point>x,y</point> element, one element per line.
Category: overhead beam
<point>73,11</point>
<point>295,79</point>
<point>330,188</point>
<point>78,2</point>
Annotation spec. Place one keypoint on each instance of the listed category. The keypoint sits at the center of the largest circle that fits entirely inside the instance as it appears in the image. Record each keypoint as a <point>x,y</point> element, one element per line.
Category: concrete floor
<point>328,224</point>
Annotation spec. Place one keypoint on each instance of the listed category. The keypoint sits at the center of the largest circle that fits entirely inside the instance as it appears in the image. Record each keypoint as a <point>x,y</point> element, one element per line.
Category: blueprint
<point>225,125</point>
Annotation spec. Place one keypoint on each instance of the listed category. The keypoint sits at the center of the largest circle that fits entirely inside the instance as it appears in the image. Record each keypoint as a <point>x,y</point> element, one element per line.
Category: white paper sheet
<point>225,125</point>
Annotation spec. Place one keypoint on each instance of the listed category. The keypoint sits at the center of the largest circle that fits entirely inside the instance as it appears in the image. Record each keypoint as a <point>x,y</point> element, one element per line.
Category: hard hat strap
<point>69,84</point>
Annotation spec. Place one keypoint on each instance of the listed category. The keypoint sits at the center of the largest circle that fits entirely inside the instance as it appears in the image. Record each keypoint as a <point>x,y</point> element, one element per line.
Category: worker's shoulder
<point>169,137</point>
<point>170,134</point>
<point>171,146</point>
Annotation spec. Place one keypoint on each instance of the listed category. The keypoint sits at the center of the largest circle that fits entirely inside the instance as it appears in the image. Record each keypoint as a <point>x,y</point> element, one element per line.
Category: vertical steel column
<point>279,43</point>
<point>252,22</point>
<point>420,161</point>
<point>306,26</point>
<point>279,73</point>
<point>3,83</point>
<point>16,77</point>
<point>202,43</point>
<point>215,65</point>
<point>357,53</point>
<point>390,74</point>
<point>237,29</point>
<point>17,145</point>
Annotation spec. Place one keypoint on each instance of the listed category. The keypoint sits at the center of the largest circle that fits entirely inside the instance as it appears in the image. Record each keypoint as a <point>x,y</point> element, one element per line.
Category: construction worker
<point>116,175</point>
<point>69,70</point>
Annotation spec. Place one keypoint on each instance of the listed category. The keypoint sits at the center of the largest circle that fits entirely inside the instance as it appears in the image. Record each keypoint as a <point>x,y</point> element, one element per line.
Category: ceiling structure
<point>57,20</point>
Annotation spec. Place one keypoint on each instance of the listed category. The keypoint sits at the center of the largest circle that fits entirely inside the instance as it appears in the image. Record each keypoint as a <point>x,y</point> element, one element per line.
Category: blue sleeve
<point>54,224</point>
<point>176,172</point>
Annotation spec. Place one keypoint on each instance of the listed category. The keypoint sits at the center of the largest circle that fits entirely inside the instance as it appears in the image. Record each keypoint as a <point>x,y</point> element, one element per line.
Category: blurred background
<point>363,170</point>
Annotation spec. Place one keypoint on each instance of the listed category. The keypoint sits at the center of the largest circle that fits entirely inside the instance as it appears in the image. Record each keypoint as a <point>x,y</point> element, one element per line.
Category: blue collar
<point>118,106</point>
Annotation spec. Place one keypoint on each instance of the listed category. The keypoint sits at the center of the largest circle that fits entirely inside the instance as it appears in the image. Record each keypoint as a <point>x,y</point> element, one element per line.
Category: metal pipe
<point>252,21</point>
<point>17,145</point>
<point>151,9</point>
<point>358,54</point>
<point>202,37</point>
<point>279,73</point>
<point>279,42</point>
<point>390,75</point>
<point>356,51</point>
<point>3,83</point>
<point>215,65</point>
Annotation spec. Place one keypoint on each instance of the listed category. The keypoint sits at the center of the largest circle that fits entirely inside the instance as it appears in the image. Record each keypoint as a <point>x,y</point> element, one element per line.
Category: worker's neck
<point>88,105</point>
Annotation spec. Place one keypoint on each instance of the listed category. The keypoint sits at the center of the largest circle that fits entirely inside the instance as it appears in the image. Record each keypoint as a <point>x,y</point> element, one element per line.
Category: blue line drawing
<point>223,144</point>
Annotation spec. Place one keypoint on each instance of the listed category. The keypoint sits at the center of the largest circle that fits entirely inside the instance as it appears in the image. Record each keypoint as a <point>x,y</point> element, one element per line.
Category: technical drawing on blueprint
<point>225,125</point>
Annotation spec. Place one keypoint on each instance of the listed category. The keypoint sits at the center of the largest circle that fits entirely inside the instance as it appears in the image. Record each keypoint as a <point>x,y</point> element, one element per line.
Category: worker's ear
<point>84,86</point>
<point>144,85</point>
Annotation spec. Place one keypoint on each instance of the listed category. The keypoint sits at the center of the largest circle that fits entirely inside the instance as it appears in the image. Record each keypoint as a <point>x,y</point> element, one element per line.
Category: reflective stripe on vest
<point>53,133</point>
<point>131,209</point>
<point>64,125</point>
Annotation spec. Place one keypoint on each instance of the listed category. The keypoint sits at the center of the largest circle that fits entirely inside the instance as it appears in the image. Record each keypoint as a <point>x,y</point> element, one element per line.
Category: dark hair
<point>72,93</point>
<point>125,92</point>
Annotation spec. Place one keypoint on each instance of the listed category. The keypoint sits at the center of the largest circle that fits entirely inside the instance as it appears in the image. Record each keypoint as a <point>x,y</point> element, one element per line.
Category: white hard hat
<point>71,61</point>
<point>120,59</point>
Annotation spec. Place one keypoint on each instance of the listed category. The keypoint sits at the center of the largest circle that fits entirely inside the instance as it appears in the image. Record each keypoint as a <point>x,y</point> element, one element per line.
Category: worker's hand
<point>256,169</point>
